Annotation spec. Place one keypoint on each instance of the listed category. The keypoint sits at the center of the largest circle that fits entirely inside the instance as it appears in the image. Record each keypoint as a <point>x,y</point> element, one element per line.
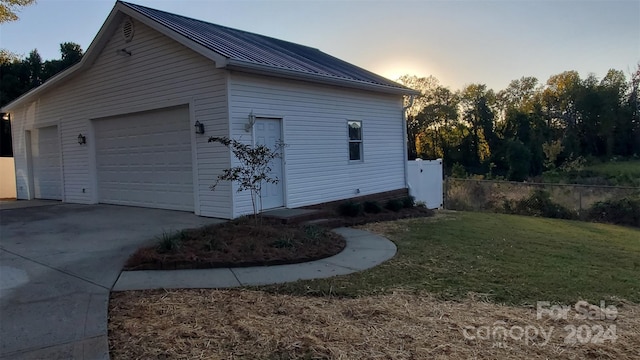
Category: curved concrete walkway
<point>363,250</point>
<point>59,262</point>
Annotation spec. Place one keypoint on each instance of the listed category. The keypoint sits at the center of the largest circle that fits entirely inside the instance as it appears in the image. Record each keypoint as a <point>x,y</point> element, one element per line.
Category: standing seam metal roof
<point>262,50</point>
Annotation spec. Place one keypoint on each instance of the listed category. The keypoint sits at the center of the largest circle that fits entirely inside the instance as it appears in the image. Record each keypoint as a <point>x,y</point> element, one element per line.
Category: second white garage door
<point>45,156</point>
<point>144,159</point>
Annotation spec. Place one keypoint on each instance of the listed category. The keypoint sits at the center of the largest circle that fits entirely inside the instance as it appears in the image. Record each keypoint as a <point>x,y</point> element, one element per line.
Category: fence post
<point>445,191</point>
<point>580,200</point>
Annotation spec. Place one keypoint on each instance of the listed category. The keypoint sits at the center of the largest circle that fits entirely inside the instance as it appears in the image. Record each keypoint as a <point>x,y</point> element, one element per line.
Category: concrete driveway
<point>58,263</point>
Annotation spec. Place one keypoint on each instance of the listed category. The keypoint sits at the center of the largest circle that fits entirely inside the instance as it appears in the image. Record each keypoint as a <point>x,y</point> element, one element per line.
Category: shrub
<point>215,244</point>
<point>394,205</point>
<point>408,202</point>
<point>169,242</point>
<point>625,211</point>
<point>313,232</point>
<point>285,242</point>
<point>539,203</point>
<point>350,208</point>
<point>372,207</point>
<point>458,171</point>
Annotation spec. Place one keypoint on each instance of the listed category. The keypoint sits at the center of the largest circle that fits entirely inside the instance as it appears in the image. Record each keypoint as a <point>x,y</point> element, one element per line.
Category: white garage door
<point>45,161</point>
<point>144,159</point>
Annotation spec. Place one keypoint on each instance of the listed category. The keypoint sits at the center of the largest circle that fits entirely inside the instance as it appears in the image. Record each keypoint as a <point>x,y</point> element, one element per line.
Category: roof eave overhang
<point>98,43</point>
<point>220,61</point>
<point>259,69</point>
<point>89,57</point>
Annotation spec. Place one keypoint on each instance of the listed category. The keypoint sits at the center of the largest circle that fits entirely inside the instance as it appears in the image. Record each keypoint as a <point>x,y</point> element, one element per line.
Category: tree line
<point>19,75</point>
<point>528,127</point>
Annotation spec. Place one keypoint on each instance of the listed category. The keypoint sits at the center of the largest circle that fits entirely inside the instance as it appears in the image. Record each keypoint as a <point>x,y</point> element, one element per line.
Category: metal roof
<point>245,49</point>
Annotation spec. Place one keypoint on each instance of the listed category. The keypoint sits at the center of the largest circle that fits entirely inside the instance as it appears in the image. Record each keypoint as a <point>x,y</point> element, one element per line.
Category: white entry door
<point>45,161</point>
<point>268,132</point>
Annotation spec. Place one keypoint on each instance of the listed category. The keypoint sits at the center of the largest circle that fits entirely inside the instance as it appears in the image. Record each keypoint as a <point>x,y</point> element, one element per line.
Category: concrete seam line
<point>26,350</point>
<point>56,269</point>
<point>236,277</point>
<point>115,282</point>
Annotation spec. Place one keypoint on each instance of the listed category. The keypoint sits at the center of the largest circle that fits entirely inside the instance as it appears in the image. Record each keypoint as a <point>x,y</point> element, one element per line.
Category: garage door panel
<point>144,159</point>
<point>45,160</point>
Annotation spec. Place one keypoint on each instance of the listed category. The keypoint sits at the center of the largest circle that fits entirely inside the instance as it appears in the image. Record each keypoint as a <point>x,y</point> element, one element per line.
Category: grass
<point>414,306</point>
<point>617,168</point>
<point>505,258</point>
<point>613,173</point>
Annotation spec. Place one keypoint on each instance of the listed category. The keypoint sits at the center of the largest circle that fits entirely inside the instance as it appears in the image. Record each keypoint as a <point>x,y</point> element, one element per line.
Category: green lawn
<point>617,168</point>
<point>507,258</point>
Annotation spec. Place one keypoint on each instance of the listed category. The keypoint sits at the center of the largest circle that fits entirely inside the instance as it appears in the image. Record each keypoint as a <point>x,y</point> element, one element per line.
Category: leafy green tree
<point>438,117</point>
<point>633,107</point>
<point>35,68</point>
<point>519,94</point>
<point>71,53</point>
<point>477,103</point>
<point>519,157</point>
<point>9,9</point>
<point>415,125</point>
<point>17,76</point>
<point>559,104</point>
<point>253,169</point>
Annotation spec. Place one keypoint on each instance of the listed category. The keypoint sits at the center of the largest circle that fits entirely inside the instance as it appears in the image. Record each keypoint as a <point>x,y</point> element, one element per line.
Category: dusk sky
<point>458,42</point>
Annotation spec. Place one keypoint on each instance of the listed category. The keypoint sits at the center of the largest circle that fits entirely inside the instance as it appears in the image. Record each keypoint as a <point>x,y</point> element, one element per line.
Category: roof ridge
<point>133,7</point>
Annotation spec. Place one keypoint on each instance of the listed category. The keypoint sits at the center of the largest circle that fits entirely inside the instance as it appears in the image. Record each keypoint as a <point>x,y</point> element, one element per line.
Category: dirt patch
<point>238,243</point>
<point>239,324</point>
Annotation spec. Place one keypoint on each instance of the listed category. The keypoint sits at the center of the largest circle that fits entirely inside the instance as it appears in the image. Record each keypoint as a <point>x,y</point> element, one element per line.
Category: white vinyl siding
<point>317,165</point>
<point>159,73</point>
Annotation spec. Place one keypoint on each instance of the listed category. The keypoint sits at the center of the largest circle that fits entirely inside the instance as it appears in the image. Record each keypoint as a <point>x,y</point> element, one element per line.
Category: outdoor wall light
<point>6,116</point>
<point>252,120</point>
<point>199,127</point>
<point>82,139</point>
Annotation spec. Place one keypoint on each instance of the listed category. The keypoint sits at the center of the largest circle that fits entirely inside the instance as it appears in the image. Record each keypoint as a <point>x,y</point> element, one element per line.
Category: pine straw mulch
<point>243,324</point>
<point>238,243</point>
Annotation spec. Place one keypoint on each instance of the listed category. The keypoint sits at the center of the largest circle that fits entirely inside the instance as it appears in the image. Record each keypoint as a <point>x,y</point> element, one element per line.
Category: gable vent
<point>127,30</point>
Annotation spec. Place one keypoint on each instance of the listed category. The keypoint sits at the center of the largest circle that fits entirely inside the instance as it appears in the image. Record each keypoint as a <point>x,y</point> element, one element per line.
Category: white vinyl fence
<point>425,181</point>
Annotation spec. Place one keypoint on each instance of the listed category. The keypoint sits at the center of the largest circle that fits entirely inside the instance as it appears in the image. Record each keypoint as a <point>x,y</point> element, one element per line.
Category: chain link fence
<point>539,199</point>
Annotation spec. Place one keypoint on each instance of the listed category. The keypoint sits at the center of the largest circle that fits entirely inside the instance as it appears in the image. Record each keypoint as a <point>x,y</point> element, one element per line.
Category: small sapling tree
<point>253,169</point>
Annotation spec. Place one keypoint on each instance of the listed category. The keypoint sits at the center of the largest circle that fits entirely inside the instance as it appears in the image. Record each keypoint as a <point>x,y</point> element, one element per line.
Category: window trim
<point>360,141</point>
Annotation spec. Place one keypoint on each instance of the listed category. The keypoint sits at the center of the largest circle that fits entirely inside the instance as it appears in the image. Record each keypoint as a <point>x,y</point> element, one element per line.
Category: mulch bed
<point>244,242</point>
<point>238,243</point>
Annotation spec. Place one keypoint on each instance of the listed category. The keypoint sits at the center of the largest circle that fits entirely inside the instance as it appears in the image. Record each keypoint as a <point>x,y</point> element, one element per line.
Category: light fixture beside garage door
<point>82,139</point>
<point>199,127</point>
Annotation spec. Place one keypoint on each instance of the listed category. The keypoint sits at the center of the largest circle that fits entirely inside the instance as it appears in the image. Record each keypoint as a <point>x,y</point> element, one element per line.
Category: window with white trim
<point>355,140</point>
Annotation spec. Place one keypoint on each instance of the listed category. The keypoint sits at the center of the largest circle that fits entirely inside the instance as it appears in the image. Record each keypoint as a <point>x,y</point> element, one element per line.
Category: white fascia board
<point>249,67</point>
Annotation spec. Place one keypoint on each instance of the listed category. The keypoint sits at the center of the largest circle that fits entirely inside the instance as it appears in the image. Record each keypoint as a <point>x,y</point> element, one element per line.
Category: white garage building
<point>119,127</point>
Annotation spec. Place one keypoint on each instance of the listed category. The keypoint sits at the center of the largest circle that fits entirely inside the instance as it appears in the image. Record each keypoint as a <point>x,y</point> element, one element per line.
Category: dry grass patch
<point>240,324</point>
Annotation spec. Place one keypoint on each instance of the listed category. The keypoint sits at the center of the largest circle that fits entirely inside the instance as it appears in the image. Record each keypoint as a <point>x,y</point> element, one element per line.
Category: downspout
<point>405,139</point>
